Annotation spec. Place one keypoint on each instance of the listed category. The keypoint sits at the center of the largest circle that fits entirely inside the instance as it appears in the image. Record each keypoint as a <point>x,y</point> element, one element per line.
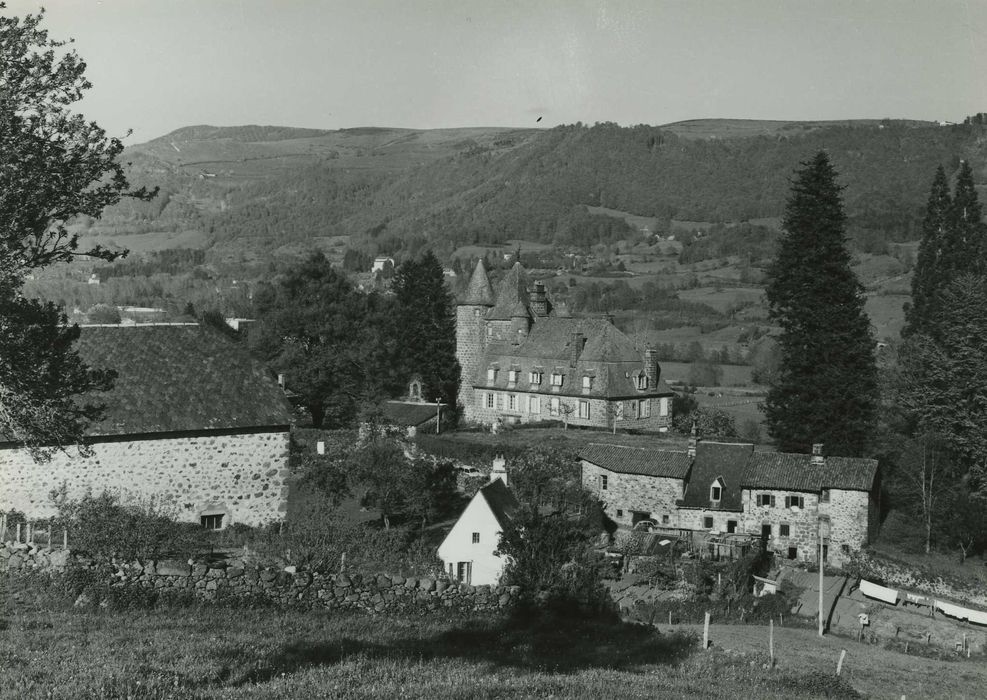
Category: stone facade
<point>470,345</point>
<point>722,520</point>
<point>242,477</point>
<point>634,495</point>
<point>585,411</point>
<point>802,523</point>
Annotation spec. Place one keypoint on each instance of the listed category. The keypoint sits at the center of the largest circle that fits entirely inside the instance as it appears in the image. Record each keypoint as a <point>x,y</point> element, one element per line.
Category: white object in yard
<point>764,586</point>
<point>320,447</point>
<point>664,542</point>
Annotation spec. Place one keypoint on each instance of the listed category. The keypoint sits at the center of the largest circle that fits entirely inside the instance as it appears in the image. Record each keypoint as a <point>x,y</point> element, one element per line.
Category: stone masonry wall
<point>241,476</point>
<point>598,416</point>
<point>802,524</point>
<point>370,592</point>
<point>628,492</point>
<point>849,513</point>
<point>469,346</point>
<point>694,519</point>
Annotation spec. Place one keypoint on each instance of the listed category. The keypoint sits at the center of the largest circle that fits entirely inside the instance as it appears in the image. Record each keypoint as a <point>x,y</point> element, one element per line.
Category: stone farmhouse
<point>524,362</point>
<point>725,488</point>
<point>192,424</point>
<point>467,552</point>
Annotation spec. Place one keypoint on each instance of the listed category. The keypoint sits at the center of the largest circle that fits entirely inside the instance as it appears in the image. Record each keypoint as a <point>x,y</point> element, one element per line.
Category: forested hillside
<point>259,189</point>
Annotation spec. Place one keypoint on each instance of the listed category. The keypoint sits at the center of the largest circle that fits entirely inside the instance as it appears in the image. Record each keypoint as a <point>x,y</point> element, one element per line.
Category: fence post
<point>706,631</point>
<point>3,527</point>
<point>839,664</point>
<point>30,534</point>
<point>65,538</point>
<point>18,533</point>
<point>771,640</point>
<point>669,618</point>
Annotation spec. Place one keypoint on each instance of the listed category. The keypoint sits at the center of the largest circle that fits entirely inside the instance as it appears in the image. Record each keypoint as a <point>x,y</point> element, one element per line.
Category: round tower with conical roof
<point>471,335</point>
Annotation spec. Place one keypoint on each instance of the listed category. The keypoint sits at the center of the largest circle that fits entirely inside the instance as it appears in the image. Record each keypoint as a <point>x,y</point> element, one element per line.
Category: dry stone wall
<point>285,586</point>
<point>241,476</point>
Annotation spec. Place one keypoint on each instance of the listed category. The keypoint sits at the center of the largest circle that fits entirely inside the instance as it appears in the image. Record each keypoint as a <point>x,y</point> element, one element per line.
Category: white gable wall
<point>458,545</point>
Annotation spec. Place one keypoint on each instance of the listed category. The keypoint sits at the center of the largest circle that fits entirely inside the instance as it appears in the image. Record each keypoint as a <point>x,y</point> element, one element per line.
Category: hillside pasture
<point>886,313</point>
<point>733,375</point>
<point>723,298</point>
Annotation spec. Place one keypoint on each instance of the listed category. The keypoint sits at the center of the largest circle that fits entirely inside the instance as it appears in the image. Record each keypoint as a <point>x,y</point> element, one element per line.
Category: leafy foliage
<point>826,390</point>
<point>711,423</point>
<point>325,335</point>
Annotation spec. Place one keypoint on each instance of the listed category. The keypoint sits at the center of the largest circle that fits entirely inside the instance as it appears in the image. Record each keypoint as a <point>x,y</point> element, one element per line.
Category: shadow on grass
<point>552,646</point>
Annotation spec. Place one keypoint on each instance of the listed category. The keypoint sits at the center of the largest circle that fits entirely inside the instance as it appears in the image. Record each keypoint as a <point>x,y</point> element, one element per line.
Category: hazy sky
<point>157,65</point>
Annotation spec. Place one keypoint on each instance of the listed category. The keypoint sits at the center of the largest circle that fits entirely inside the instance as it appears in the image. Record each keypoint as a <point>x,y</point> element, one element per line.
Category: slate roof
<point>723,460</point>
<point>637,460</point>
<point>479,291</point>
<point>512,296</point>
<point>502,501</point>
<point>608,356</point>
<point>795,472</point>
<point>408,413</point>
<point>179,378</point>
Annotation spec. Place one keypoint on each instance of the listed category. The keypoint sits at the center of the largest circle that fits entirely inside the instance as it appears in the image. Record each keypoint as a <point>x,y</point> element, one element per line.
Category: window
<point>716,491</point>
<point>476,538</point>
<point>663,407</point>
<point>553,407</point>
<point>512,376</point>
<point>492,374</point>
<point>212,522</point>
<point>642,381</point>
<point>512,402</point>
<point>783,530</point>
<point>534,405</point>
<point>644,408</point>
<point>845,548</point>
<point>665,519</point>
<point>731,525</point>
<point>500,402</point>
<point>824,496</point>
<point>535,377</point>
<point>620,513</point>
<point>490,400</point>
<point>795,501</point>
<point>587,382</point>
<point>793,552</point>
<point>708,522</point>
<point>766,530</point>
<point>603,482</point>
<point>584,409</point>
<point>766,500</point>
<point>464,571</point>
<point>489,331</point>
<point>557,379</point>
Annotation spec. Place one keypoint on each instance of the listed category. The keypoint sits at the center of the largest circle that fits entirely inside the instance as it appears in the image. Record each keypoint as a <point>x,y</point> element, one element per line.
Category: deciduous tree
<point>826,390</point>
<point>54,167</point>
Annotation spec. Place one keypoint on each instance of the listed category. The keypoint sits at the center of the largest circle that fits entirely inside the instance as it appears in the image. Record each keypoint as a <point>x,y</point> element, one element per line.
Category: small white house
<point>467,552</point>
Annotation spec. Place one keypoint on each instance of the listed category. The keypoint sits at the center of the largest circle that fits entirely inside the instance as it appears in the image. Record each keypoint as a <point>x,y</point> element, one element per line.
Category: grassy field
<point>54,651</point>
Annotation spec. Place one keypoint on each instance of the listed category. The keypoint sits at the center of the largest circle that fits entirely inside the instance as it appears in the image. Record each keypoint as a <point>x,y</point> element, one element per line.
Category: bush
<point>101,526</point>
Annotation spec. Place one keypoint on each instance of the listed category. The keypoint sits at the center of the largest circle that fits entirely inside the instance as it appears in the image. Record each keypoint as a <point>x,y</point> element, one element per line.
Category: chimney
<point>499,470</point>
<point>576,342</point>
<point>693,441</point>
<point>817,455</point>
<point>539,300</point>
<point>651,367</point>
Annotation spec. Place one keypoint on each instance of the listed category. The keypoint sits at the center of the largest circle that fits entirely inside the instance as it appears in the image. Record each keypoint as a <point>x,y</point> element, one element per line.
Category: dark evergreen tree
<point>425,328</point>
<point>826,390</point>
<point>964,245</point>
<point>926,278</point>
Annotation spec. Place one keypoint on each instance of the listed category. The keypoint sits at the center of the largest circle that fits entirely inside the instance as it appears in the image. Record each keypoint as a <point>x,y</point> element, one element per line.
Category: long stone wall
<point>370,592</point>
<point>634,492</point>
<point>242,477</point>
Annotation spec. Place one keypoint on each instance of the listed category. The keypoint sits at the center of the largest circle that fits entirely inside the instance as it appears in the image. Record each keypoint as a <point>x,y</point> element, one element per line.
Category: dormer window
<point>512,376</point>
<point>642,381</point>
<point>716,491</point>
<point>492,374</point>
<point>557,378</point>
<point>535,378</point>
<point>587,382</point>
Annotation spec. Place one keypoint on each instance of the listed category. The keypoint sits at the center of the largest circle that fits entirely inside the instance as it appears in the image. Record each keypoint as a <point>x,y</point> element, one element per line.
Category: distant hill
<point>252,191</point>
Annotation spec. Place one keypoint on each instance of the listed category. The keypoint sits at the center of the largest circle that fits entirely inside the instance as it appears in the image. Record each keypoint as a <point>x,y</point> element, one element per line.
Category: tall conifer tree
<point>826,389</point>
<point>926,279</point>
<point>964,245</point>
<point>425,328</point>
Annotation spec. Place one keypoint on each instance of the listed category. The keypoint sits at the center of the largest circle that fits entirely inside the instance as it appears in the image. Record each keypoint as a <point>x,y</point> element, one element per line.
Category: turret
<point>471,333</point>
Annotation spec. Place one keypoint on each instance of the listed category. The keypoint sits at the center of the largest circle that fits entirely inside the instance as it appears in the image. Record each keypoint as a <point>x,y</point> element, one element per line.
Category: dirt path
<point>872,670</point>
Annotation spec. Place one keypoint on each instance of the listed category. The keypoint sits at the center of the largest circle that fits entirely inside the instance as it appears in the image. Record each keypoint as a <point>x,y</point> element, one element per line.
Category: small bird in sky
<point>538,119</point>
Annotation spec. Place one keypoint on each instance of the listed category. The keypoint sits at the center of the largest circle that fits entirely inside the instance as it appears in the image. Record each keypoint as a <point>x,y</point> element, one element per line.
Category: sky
<point>157,65</point>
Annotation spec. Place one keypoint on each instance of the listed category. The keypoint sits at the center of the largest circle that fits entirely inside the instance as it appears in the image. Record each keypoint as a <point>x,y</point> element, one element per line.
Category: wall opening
<point>212,522</point>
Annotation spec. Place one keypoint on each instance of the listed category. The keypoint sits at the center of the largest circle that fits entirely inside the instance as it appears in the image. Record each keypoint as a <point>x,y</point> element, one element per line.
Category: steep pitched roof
<point>479,292</point>
<point>502,501</point>
<point>717,460</point>
<point>637,460</point>
<point>178,378</point>
<point>795,472</point>
<point>512,296</point>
